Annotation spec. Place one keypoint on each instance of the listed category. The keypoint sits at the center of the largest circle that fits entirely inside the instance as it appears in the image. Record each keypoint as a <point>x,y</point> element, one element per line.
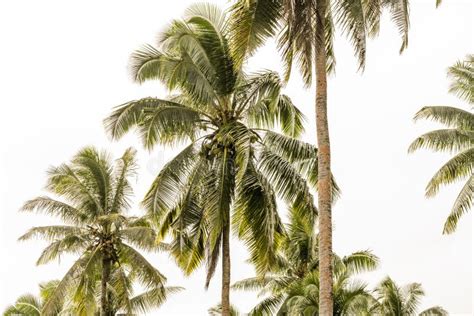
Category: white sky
<point>63,66</point>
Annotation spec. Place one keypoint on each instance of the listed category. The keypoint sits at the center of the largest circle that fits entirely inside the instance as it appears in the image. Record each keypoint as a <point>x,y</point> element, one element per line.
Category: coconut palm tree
<point>228,174</point>
<point>94,198</point>
<point>306,29</point>
<point>393,300</point>
<point>293,287</point>
<point>29,304</point>
<point>457,138</point>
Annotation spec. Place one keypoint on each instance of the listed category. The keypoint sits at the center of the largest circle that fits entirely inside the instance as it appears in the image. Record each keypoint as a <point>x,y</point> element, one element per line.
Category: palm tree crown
<point>29,304</point>
<point>230,167</point>
<point>297,25</point>
<point>393,300</point>
<point>95,198</point>
<point>457,138</point>
<point>292,288</point>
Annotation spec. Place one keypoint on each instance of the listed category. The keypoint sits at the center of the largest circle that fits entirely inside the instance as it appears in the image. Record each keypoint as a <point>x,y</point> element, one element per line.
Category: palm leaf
<point>450,140</point>
<point>25,305</point>
<point>56,300</point>
<point>256,219</point>
<point>350,17</point>
<point>458,167</point>
<point>251,23</point>
<point>447,115</point>
<point>153,298</point>
<point>361,261</point>
<point>399,10</point>
<point>157,121</point>
<point>286,181</point>
<point>462,75</point>
<point>162,195</point>
<point>51,233</point>
<point>140,267</point>
<point>461,206</point>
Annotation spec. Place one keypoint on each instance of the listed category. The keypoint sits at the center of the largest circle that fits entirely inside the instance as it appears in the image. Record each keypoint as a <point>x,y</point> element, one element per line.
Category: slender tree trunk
<point>324,167</point>
<point>104,298</point>
<point>225,300</point>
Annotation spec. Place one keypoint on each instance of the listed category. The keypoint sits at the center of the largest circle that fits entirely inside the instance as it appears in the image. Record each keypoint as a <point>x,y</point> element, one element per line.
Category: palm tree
<point>228,173</point>
<point>293,287</point>
<point>393,300</point>
<point>306,35</point>
<point>303,296</point>
<point>457,138</point>
<point>95,195</point>
<point>29,304</point>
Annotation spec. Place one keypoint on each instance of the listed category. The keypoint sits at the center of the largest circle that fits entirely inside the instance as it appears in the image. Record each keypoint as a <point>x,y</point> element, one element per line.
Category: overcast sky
<point>63,66</point>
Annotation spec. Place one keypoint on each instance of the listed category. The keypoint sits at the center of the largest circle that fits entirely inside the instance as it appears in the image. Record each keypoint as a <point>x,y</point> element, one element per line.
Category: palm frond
<point>209,12</point>
<point>330,30</point>
<point>297,39</point>
<point>390,297</point>
<point>268,306</point>
<point>122,285</point>
<point>458,167</point>
<point>93,168</point>
<point>361,261</point>
<point>189,226</point>
<point>52,233</point>
<point>140,267</point>
<point>252,284</point>
<point>461,206</point>
<point>146,63</point>
<point>256,219</point>
<point>153,298</point>
<point>372,14</point>
<point>55,302</point>
<point>66,182</point>
<point>163,193</point>
<point>47,205</point>
<point>121,189</point>
<point>251,24</point>
<point>219,192</point>
<point>286,181</point>
<point>259,86</point>
<point>47,288</point>
<point>142,237</point>
<point>177,70</point>
<point>462,75</point>
<point>350,17</point>
<point>413,293</point>
<point>72,244</point>
<point>84,291</point>
<point>25,305</point>
<point>157,121</point>
<point>212,258</point>
<point>399,10</point>
<point>210,24</point>
<point>449,140</point>
<point>447,115</point>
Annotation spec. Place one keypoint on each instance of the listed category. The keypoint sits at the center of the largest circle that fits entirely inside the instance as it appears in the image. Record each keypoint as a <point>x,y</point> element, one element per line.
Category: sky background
<point>63,66</point>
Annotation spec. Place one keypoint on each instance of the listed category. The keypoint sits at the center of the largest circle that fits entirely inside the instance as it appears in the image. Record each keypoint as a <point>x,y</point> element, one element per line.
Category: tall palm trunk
<point>225,300</point>
<point>104,298</point>
<point>324,167</point>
